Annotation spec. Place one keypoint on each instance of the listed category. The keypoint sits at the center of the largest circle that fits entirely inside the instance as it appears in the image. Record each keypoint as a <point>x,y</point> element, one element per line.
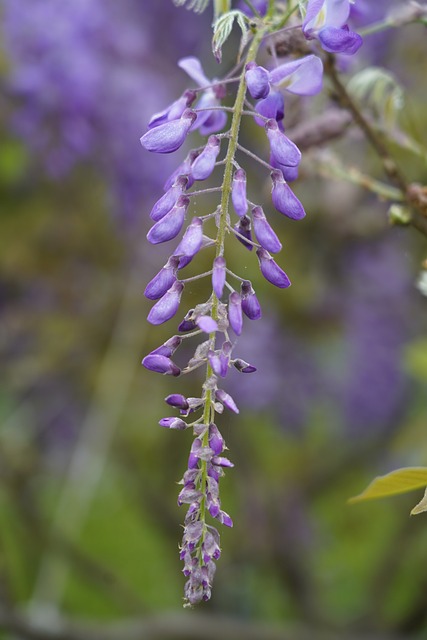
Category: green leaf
<point>222,29</point>
<point>398,481</point>
<point>195,5</point>
<point>416,359</point>
<point>378,90</point>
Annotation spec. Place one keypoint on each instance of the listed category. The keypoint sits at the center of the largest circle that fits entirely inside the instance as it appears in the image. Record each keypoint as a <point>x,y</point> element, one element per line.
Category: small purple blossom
<point>173,423</point>
<point>207,324</point>
<point>250,304</point>
<point>243,227</point>
<point>326,20</point>
<point>174,111</point>
<point>271,270</point>
<point>218,276</point>
<point>163,281</point>
<point>191,242</point>
<point>283,150</point>
<point>257,80</point>
<point>284,200</point>
<point>168,199</point>
<point>204,164</point>
<point>235,312</point>
<point>161,364</point>
<point>168,137</point>
<point>265,235</point>
<point>167,306</point>
<point>238,193</point>
<point>170,224</point>
<point>226,400</point>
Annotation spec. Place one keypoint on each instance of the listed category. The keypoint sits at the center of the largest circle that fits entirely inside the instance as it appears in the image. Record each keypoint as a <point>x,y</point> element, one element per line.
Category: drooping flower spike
<point>217,322</point>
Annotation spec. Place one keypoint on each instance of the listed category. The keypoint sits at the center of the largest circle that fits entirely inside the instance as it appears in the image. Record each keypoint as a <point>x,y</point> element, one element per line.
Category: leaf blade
<point>393,483</point>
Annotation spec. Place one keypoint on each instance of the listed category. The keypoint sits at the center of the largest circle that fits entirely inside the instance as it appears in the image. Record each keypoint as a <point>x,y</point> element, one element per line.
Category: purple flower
<point>326,20</point>
<point>263,231</point>
<point>226,400</point>
<point>273,106</point>
<point>168,348</point>
<point>204,164</point>
<point>191,242</point>
<point>167,306</point>
<point>302,76</point>
<point>183,170</point>
<point>283,150</point>
<point>208,121</point>
<point>216,441</point>
<point>207,324</point>
<point>257,80</point>
<point>177,400</point>
<point>218,276</point>
<point>174,111</point>
<point>170,225</point>
<point>260,5</point>
<point>238,193</point>
<point>271,270</point>
<point>163,281</point>
<point>243,367</point>
<point>173,423</point>
<point>250,305</point>
<point>235,312</point>
<point>161,364</point>
<point>243,227</point>
<point>168,137</point>
<point>168,199</point>
<point>284,199</point>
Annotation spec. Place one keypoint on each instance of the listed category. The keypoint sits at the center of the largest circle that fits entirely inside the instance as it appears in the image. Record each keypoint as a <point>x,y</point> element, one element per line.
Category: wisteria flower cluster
<point>218,320</point>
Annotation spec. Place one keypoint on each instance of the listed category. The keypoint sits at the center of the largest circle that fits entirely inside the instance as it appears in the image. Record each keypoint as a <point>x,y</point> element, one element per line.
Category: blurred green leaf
<point>416,359</point>
<point>398,481</point>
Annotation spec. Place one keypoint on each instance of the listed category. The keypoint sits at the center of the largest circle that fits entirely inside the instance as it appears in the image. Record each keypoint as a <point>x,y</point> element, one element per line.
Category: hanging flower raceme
<point>217,322</point>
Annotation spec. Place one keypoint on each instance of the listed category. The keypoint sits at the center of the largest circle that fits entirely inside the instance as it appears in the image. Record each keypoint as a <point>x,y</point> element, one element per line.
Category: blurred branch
<point>192,626</point>
<point>414,12</point>
<point>413,195</point>
<point>313,132</point>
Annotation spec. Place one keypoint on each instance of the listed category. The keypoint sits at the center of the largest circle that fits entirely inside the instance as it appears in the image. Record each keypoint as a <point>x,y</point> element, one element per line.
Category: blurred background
<point>89,526</point>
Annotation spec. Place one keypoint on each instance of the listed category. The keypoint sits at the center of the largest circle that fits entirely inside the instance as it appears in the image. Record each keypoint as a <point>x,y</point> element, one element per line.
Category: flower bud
<point>167,306</point>
<point>173,423</point>
<point>177,400</point>
<point>226,400</point>
<point>207,324</point>
<point>163,281</point>
<point>243,227</point>
<point>271,270</point>
<point>168,199</point>
<point>257,80</point>
<point>161,364</point>
<point>243,367</point>
<point>191,242</point>
<point>170,225</point>
<point>283,150</point>
<point>284,200</point>
<point>204,164</point>
<point>250,305</point>
<point>168,348</point>
<point>168,137</point>
<point>235,312</point>
<point>265,235</point>
<point>238,193</point>
<point>218,276</point>
<point>174,111</point>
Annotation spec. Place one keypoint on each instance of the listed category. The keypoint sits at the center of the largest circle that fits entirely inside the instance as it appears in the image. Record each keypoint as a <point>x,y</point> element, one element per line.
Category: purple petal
<point>218,276</point>
<point>215,362</point>
<point>340,40</point>
<point>177,400</point>
<point>226,400</point>
<point>168,137</point>
<point>243,227</point>
<point>238,193</point>
<point>204,164</point>
<point>167,306</point>
<point>303,77</point>
<point>207,324</point>
<point>216,441</point>
<point>235,312</point>
<point>283,150</point>
<point>191,242</point>
<point>271,270</point>
<point>193,68</point>
<point>284,199</point>
<point>214,123</point>
<point>163,281</point>
<point>173,423</point>
<point>161,364</point>
<point>173,111</point>
<point>168,348</point>
<point>243,367</point>
<point>225,519</point>
<point>263,231</point>
<point>273,106</point>
<point>182,170</point>
<point>220,461</point>
<point>170,225</point>
<point>168,199</point>
<point>250,305</point>
<point>257,81</point>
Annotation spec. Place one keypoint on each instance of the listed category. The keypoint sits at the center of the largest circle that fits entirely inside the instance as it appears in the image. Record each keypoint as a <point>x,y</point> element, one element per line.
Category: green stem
<point>209,412</point>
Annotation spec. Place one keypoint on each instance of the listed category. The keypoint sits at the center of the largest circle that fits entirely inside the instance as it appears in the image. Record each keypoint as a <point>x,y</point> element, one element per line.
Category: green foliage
<point>195,5</point>
<point>394,483</point>
<point>378,89</point>
<point>222,30</point>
